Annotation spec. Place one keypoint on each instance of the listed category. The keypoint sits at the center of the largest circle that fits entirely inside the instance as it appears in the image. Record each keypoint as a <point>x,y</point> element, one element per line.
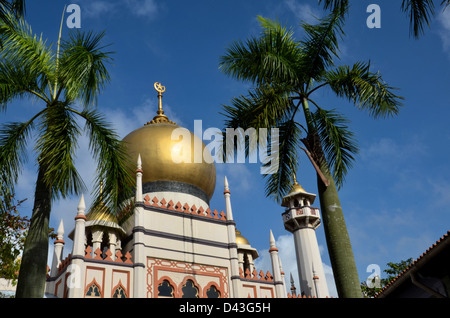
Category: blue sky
<point>396,198</point>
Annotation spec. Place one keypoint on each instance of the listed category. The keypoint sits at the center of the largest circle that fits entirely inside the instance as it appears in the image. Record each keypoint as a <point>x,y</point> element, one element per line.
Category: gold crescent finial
<point>160,89</point>
<point>160,117</point>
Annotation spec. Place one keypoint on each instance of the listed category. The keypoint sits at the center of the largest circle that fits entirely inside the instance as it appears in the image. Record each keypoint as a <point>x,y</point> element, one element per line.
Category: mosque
<point>172,244</point>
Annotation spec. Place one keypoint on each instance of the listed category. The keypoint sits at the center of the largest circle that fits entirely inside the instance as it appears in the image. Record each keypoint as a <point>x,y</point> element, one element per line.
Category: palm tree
<point>16,7</point>
<point>75,73</point>
<point>420,12</point>
<point>286,74</point>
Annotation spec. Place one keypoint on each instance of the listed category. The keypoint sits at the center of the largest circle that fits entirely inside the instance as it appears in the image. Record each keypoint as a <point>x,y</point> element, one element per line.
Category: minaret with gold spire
<point>302,220</point>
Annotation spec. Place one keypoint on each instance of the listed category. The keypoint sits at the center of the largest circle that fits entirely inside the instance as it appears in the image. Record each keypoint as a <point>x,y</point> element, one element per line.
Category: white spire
<point>138,195</point>
<point>139,162</point>
<point>226,186</point>
<point>272,240</point>
<point>81,205</point>
<point>227,195</point>
<point>60,231</point>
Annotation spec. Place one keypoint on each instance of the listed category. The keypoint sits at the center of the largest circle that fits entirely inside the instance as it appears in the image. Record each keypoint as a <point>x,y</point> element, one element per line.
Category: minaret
<point>235,278</point>
<point>276,268</point>
<point>78,252</point>
<point>302,220</point>
<point>293,289</point>
<point>58,249</point>
<point>138,237</point>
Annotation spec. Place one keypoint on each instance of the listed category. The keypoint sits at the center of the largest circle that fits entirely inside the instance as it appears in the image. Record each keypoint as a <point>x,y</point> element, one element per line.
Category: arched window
<point>93,291</point>
<point>119,293</point>
<point>189,290</point>
<point>165,289</point>
<point>212,292</point>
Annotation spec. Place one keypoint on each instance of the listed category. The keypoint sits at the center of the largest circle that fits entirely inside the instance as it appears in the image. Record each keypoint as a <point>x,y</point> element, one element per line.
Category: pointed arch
<point>119,291</point>
<point>93,290</point>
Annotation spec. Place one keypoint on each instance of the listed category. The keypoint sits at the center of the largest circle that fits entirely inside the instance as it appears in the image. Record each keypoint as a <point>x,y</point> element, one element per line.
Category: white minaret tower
<point>302,221</point>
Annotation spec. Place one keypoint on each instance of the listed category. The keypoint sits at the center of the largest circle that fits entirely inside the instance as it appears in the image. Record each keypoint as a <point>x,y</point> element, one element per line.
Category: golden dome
<point>164,157</point>
<point>241,239</point>
<point>101,213</point>
<point>296,187</point>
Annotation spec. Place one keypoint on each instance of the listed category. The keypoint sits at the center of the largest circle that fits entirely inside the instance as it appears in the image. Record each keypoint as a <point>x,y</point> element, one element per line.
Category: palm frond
<point>113,161</point>
<point>22,48</point>
<point>17,82</point>
<point>10,10</point>
<point>13,140</point>
<point>82,69</point>
<point>364,88</point>
<point>279,183</point>
<point>334,4</point>
<point>321,44</point>
<point>56,147</point>
<point>272,57</point>
<point>420,13</point>
<point>264,107</point>
<point>338,143</point>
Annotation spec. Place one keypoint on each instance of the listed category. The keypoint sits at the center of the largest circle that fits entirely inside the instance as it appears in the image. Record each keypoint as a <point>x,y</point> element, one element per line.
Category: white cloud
<point>147,8</point>
<point>303,12</point>
<point>444,32</point>
<point>98,8</point>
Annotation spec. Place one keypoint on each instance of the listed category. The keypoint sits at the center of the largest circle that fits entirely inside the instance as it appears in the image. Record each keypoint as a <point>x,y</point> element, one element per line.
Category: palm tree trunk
<point>33,268</point>
<point>338,241</point>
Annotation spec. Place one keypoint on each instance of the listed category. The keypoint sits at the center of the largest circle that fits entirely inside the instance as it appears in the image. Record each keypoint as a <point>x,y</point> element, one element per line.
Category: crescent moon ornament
<point>159,88</point>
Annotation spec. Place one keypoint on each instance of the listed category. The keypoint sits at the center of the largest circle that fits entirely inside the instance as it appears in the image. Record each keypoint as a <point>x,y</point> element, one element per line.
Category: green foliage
<point>392,271</point>
<point>13,230</point>
<point>29,67</point>
<point>286,74</point>
<point>73,73</point>
<point>420,12</point>
<point>339,144</point>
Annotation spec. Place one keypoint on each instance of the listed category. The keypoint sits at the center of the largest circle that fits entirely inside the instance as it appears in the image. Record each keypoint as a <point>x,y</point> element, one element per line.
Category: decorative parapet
<point>184,208</point>
<point>301,296</point>
<point>254,275</point>
<point>64,263</point>
<point>100,256</point>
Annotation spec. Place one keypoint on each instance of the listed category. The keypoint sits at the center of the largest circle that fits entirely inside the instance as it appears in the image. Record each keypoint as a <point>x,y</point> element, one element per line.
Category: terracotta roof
<point>420,260</point>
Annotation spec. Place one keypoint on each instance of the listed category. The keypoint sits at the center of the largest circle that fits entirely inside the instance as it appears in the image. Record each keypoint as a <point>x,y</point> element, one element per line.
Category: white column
<point>75,282</point>
<point>309,263</point>
<point>279,285</point>
<point>139,173</point>
<point>58,249</point>
<point>234,261</point>
<point>139,258</point>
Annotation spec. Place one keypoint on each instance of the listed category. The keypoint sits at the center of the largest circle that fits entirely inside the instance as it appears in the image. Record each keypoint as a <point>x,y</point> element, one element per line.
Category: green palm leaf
<point>364,88</point>
<point>420,13</point>
<point>112,161</point>
<point>13,139</point>
<point>56,146</point>
<point>279,183</point>
<point>338,143</point>
<point>269,58</point>
<point>22,48</point>
<point>321,45</point>
<point>82,69</point>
